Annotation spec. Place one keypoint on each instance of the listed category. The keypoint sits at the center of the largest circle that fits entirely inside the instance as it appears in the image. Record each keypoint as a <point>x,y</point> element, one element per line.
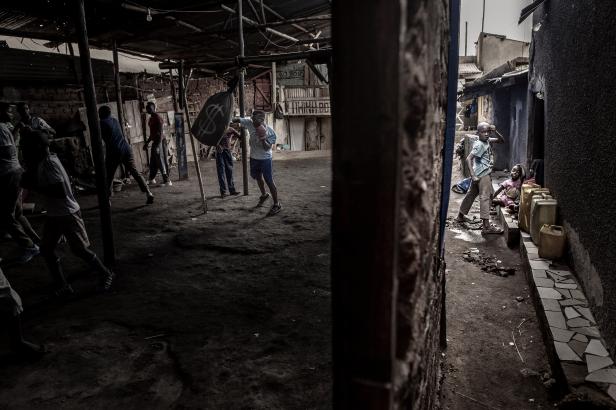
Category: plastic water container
<point>543,212</point>
<point>525,202</point>
<point>552,241</point>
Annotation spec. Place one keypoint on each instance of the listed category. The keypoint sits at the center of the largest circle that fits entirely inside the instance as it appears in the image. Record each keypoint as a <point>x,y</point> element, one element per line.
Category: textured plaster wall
<point>495,51</point>
<point>419,303</point>
<point>574,55</point>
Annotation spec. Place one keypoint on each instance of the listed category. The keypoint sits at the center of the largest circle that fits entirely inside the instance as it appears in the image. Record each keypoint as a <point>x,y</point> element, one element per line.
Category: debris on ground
<point>488,264</point>
<point>526,372</point>
<point>475,224</point>
<point>519,298</point>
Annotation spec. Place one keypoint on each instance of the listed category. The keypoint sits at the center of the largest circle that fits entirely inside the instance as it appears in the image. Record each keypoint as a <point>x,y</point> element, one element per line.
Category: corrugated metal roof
<point>22,66</point>
<point>176,29</point>
<point>468,68</point>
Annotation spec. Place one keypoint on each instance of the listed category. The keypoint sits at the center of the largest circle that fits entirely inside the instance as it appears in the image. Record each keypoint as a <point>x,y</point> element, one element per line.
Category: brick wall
<point>56,105</point>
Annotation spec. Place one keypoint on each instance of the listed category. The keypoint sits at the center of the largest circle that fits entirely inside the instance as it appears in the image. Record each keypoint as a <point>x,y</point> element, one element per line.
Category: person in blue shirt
<point>262,139</point>
<point>117,151</point>
<point>480,164</point>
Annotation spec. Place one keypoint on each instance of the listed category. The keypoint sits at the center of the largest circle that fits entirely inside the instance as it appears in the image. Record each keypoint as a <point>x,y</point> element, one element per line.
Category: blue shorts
<point>262,167</point>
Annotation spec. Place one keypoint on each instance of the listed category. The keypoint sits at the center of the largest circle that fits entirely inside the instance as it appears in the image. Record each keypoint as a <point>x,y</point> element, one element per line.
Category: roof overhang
<point>170,31</point>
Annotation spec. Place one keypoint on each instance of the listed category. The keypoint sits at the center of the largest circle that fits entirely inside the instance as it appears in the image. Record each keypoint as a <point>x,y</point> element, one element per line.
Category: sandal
<point>275,209</point>
<point>263,198</point>
<point>492,230</point>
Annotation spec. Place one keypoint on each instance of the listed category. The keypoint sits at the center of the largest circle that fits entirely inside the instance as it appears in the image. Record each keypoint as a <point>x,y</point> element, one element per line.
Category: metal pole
<point>243,141</point>
<point>466,39</point>
<point>184,101</point>
<point>102,189</point>
<point>483,16</point>
<point>317,56</point>
<point>118,89</point>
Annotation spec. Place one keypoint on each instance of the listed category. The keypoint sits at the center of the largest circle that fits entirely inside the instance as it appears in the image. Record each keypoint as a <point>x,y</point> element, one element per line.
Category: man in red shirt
<point>157,153</point>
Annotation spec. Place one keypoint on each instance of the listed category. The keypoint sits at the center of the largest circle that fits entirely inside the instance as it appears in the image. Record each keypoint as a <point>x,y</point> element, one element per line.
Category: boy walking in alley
<point>10,175</point>
<point>158,152</point>
<point>224,162</point>
<point>262,139</point>
<point>46,175</point>
<point>117,151</point>
<point>480,164</point>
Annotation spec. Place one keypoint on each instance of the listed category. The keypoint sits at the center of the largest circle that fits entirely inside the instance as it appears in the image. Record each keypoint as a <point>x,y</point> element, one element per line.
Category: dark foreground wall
<point>388,97</point>
<point>573,65</point>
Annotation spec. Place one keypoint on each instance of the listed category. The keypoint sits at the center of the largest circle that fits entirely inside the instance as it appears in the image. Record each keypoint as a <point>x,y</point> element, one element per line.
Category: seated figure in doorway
<point>510,189</point>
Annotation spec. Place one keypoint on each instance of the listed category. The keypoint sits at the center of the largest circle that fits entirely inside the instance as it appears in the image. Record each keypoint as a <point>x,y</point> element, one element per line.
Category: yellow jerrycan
<point>525,203</point>
<point>543,212</point>
<point>552,241</point>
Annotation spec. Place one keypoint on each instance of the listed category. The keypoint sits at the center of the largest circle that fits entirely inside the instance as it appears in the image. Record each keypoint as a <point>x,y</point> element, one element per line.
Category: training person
<point>10,312</point>
<point>158,156</point>
<point>480,162</point>
<point>262,139</point>
<point>46,175</point>
<point>33,122</point>
<point>224,162</point>
<point>12,222</point>
<point>117,151</point>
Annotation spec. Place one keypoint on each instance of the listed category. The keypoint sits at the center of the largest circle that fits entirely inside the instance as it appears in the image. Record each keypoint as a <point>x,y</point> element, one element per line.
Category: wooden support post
<point>274,97</point>
<point>274,85</point>
<point>174,97</point>
<point>180,133</point>
<point>184,102</point>
<point>243,139</point>
<point>118,89</point>
<point>102,188</point>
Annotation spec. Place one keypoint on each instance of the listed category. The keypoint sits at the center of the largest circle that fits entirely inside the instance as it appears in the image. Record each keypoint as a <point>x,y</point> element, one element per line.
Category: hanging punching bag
<point>215,116</point>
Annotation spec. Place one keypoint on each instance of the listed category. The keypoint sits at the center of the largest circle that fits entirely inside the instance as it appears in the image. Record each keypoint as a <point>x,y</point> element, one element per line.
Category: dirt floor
<point>229,310</point>
<point>485,325</point>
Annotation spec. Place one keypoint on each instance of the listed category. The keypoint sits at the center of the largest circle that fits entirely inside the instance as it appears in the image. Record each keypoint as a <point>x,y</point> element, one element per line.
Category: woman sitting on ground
<point>510,189</point>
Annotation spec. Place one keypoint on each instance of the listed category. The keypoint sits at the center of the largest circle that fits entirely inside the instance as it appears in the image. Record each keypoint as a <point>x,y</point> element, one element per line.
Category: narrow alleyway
<point>495,357</point>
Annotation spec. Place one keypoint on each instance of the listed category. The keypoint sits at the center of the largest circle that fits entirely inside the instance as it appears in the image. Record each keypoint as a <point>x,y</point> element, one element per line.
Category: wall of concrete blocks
<point>56,104</point>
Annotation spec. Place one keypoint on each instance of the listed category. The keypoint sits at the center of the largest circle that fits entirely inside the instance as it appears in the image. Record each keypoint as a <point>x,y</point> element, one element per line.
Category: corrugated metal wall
<point>33,67</point>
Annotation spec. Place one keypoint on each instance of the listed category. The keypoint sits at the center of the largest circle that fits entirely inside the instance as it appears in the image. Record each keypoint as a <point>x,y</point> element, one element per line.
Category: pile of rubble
<point>489,264</point>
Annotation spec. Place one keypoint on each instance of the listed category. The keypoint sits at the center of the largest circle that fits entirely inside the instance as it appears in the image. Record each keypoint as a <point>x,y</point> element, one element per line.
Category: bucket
<point>552,241</point>
<point>525,203</point>
<point>543,212</point>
